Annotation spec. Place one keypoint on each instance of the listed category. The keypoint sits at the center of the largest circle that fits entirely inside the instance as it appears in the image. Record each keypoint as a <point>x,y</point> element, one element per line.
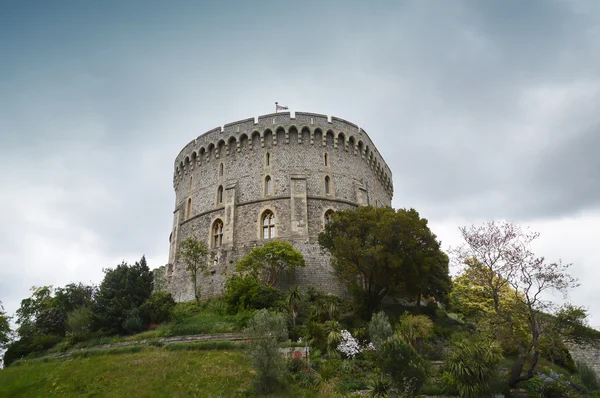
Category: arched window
<point>268,186</point>
<point>220,195</point>
<point>221,170</point>
<point>328,215</point>
<point>325,159</point>
<point>327,185</point>
<point>268,225</point>
<point>268,159</point>
<point>217,232</point>
<point>188,209</point>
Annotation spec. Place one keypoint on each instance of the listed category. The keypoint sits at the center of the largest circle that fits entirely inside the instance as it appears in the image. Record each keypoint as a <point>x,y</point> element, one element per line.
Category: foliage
<point>553,349</point>
<point>472,363</point>
<point>348,346</point>
<point>316,335</point>
<point>202,346</point>
<point>31,308</point>
<point>73,296</point>
<point>272,260</point>
<point>391,252</point>
<point>51,321</point>
<point>193,254</point>
<point>5,331</point>
<point>293,300</point>
<point>79,324</point>
<point>414,328</point>
<point>184,310</point>
<point>398,359</point>
<point>124,288</point>
<point>265,331</point>
<point>500,258</point>
<point>382,386</point>
<point>157,309</point>
<point>380,329</point>
<point>133,321</point>
<point>588,377</point>
<point>247,292</point>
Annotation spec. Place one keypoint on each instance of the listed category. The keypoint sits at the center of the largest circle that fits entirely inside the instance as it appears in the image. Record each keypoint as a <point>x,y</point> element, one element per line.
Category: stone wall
<point>586,354</point>
<point>220,177</point>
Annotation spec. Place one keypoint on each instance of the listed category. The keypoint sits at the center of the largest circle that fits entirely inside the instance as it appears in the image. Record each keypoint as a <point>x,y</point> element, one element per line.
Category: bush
<point>381,386</point>
<point>398,359</point>
<point>380,329</point>
<point>414,328</point>
<point>557,352</point>
<point>247,292</point>
<point>157,309</point>
<point>79,325</point>
<point>182,311</point>
<point>51,321</point>
<point>265,331</point>
<point>133,322</point>
<point>472,364</point>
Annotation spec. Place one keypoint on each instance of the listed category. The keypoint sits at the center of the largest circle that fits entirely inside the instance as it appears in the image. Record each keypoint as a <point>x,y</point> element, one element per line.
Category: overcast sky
<point>484,110</point>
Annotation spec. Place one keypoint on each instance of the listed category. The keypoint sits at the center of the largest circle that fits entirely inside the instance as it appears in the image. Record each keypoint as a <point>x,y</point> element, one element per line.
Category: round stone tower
<point>274,177</point>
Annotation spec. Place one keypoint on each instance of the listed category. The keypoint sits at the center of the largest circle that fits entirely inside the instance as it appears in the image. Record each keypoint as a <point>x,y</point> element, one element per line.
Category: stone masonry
<point>274,177</point>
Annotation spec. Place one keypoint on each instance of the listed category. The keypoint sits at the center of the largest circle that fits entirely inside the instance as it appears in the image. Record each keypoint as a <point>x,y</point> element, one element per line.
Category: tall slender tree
<point>193,254</point>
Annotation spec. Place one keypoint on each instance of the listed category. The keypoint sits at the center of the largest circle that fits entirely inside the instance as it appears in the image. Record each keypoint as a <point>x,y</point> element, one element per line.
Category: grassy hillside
<point>152,372</point>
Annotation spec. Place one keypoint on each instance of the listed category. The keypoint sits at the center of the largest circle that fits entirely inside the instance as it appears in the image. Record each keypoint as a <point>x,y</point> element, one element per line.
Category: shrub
<point>588,377</point>
<point>403,363</point>
<point>79,325</point>
<point>247,292</point>
<point>381,386</point>
<point>380,329</point>
<point>557,352</point>
<point>265,331</point>
<point>316,335</point>
<point>157,309</point>
<point>182,311</point>
<point>133,321</point>
<point>472,363</point>
<point>414,328</point>
<point>51,321</point>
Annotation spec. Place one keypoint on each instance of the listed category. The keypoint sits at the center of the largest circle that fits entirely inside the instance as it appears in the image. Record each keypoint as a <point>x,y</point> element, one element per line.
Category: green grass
<point>152,372</point>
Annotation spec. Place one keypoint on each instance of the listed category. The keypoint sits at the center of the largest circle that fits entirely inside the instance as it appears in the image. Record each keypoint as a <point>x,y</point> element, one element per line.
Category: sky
<point>484,110</point>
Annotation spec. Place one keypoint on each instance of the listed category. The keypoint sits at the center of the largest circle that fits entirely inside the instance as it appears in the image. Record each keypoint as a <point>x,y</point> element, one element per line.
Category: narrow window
<point>221,170</point>
<point>268,159</point>
<point>188,210</point>
<point>220,195</point>
<point>217,233</point>
<point>268,186</point>
<point>268,225</point>
<point>191,183</point>
<point>325,159</point>
<point>327,186</point>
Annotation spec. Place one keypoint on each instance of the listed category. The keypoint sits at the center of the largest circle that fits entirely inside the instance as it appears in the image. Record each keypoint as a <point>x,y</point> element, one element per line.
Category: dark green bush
<point>133,322</point>
<point>588,377</point>
<point>247,292</point>
<point>403,363</point>
<point>157,309</point>
<point>182,311</point>
<point>79,325</point>
<point>557,352</point>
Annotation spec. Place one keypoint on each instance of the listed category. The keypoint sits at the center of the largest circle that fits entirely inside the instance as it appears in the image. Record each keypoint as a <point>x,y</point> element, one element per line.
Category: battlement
<point>232,133</point>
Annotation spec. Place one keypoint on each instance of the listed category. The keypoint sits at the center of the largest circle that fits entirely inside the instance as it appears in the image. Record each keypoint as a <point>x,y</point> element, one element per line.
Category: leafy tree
<point>5,331</point>
<point>123,288</point>
<point>272,260</point>
<point>398,359</point>
<point>293,300</point>
<point>414,328</point>
<point>31,308</point>
<point>499,255</point>
<point>378,252</point>
<point>73,296</point>
<point>265,331</point>
<point>193,254</point>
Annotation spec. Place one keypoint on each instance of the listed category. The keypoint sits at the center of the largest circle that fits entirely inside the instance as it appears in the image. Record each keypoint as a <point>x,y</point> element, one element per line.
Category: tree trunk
<point>515,373</point>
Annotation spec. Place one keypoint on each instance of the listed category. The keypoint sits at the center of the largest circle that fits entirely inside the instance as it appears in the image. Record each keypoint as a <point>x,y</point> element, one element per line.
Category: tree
<point>293,300</point>
<point>193,254</point>
<point>500,256</point>
<point>31,308</point>
<point>5,331</point>
<point>265,331</point>
<point>124,288</point>
<point>377,252</point>
<point>272,260</point>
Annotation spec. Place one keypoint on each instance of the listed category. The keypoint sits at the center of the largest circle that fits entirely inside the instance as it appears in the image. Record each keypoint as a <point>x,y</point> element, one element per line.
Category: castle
<point>274,177</point>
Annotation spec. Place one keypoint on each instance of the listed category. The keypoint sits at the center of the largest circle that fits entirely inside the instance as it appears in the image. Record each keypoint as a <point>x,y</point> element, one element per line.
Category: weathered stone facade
<point>589,355</point>
<point>291,170</point>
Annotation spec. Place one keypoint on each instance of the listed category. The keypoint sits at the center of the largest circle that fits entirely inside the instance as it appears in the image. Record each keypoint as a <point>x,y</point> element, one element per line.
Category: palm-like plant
<point>334,337</point>
<point>293,300</point>
<point>381,386</point>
